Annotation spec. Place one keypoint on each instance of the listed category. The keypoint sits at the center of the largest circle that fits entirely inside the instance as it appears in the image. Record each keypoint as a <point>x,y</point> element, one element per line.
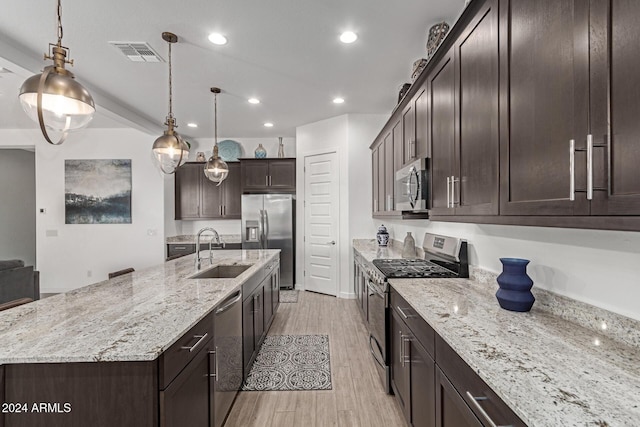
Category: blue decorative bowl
<point>515,285</point>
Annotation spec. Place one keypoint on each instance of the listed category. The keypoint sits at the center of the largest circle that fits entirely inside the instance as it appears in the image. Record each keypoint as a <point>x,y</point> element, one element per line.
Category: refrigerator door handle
<point>261,230</point>
<point>266,228</point>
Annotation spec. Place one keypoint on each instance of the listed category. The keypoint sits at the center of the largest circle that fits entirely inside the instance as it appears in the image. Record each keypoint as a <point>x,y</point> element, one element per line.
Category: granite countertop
<point>564,363</point>
<point>134,317</point>
<point>191,238</point>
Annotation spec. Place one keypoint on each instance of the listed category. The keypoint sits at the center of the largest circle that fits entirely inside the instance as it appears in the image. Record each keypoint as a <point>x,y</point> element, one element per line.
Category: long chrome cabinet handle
<point>201,339</point>
<point>448,192</point>
<point>401,312</point>
<point>406,339</point>
<point>589,167</point>
<point>572,169</point>
<point>453,190</point>
<point>215,372</point>
<point>476,402</point>
<point>401,349</point>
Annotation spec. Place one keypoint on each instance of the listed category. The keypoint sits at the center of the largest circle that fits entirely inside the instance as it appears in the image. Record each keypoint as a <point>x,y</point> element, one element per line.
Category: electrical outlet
<point>152,232</point>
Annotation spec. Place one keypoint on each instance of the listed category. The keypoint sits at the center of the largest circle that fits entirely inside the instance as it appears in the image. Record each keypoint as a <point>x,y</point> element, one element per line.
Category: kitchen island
<point>102,354</point>
<point>564,363</point>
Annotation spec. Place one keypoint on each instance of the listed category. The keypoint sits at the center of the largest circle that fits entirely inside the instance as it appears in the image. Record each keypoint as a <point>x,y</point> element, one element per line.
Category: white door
<point>321,219</point>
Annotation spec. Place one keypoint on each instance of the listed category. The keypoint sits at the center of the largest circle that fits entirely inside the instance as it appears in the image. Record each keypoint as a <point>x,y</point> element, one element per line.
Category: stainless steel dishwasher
<point>227,356</point>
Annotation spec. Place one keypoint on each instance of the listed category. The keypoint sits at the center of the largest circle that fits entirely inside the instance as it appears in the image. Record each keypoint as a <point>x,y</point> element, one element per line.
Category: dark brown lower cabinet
<point>412,375</point>
<point>451,409</point>
<point>186,400</point>
<point>2,394</point>
<point>101,394</point>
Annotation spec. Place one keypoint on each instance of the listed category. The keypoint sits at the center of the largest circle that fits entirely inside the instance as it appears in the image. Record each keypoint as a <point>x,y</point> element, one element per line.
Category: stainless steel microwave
<point>412,187</point>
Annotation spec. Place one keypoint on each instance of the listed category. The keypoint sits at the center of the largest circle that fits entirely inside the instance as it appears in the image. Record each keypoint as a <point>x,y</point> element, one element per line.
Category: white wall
<point>227,226</point>
<point>598,267</point>
<point>350,136</point>
<point>18,205</point>
<point>65,260</point>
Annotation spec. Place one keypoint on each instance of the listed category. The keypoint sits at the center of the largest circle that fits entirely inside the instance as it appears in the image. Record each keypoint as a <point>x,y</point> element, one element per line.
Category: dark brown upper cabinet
<point>463,88</point>
<point>544,106</point>
<point>385,157</point>
<point>414,128</point>
<point>199,198</point>
<point>615,106</point>
<point>268,175</point>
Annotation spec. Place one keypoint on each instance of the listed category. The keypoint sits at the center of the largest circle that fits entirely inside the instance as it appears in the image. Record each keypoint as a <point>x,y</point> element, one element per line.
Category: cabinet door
<point>399,363</point>
<point>615,106</point>
<point>211,198</point>
<point>476,183</point>
<point>258,317</point>
<point>268,301</point>
<point>442,95</point>
<point>186,400</point>
<point>248,341</point>
<point>232,193</point>
<point>254,174</point>
<point>398,147</point>
<point>409,132</point>
<point>282,174</point>
<point>275,283</point>
<point>544,88</point>
<point>451,409</point>
<point>422,387</point>
<point>375,181</point>
<point>187,191</point>
<point>389,172</point>
<point>422,124</point>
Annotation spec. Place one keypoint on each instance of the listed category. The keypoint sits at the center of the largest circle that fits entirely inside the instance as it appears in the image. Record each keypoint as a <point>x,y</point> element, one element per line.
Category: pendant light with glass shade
<point>54,99</point>
<point>216,169</point>
<point>170,150</point>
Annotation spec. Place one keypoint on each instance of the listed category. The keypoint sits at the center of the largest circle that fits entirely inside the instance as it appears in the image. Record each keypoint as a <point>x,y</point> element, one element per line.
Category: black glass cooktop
<point>411,268</point>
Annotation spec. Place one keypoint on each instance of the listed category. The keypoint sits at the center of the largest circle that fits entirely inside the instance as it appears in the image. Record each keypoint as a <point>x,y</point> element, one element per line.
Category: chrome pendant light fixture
<point>216,169</point>
<point>170,150</point>
<point>54,99</point>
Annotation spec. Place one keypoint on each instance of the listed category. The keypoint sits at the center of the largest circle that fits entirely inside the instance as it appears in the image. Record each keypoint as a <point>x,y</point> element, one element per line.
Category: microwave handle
<point>413,174</point>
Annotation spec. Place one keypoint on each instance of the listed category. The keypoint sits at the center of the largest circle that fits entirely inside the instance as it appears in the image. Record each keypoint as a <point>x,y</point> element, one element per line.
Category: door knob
<point>333,242</point>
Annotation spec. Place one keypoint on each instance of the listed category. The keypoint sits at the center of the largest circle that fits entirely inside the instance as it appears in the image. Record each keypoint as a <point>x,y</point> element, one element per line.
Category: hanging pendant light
<point>170,150</point>
<point>53,99</point>
<point>216,169</point>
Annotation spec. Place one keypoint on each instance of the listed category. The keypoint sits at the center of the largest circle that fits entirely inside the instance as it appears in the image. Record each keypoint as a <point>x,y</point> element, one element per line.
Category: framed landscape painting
<point>97,191</point>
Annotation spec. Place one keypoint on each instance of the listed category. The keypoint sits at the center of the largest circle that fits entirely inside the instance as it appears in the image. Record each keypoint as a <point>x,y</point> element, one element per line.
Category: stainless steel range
<point>445,257</point>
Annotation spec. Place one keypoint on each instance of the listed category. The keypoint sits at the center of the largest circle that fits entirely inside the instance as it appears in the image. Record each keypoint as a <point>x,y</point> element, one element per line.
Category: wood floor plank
<point>357,397</point>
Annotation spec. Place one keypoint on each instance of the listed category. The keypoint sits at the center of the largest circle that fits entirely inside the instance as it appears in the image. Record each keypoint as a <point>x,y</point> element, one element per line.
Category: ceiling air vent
<point>137,51</point>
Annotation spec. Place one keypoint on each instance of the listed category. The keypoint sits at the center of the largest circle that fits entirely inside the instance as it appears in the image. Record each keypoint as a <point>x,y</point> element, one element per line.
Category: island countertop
<point>134,317</point>
<point>564,363</point>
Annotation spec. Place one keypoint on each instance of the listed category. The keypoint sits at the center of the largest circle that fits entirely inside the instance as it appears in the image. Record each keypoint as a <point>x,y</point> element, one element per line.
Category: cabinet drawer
<point>180,249</point>
<point>420,328</point>
<point>174,360</point>
<point>469,385</point>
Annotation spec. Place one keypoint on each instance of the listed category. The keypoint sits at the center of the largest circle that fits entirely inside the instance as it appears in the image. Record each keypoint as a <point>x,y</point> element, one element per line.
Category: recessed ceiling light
<point>192,125</point>
<point>217,38</point>
<point>254,101</point>
<point>268,125</point>
<point>338,100</point>
<point>348,37</point>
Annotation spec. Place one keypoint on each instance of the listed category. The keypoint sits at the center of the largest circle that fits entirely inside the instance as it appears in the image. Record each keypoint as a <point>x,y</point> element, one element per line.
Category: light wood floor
<point>357,398</point>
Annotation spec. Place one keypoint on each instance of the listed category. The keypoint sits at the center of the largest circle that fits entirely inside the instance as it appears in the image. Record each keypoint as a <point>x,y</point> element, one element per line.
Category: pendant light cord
<point>215,119</point>
<point>170,86</point>
<point>59,23</point>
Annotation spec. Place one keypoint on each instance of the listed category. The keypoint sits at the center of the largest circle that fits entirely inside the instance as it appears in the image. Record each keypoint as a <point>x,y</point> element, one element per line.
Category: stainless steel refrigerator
<point>268,222</point>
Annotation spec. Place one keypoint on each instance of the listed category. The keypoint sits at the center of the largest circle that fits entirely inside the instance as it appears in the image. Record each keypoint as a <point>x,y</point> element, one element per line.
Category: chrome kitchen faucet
<point>215,235</point>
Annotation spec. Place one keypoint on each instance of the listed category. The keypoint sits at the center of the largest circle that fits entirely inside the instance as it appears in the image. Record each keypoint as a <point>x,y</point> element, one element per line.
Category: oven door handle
<point>373,339</point>
<point>374,290</point>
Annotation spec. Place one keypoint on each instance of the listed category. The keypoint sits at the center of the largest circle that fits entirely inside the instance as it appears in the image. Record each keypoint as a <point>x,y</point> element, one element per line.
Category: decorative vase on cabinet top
<point>260,152</point>
<point>515,285</point>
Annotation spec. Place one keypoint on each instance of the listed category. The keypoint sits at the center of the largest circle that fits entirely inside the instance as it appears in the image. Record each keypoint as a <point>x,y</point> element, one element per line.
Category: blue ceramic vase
<point>382,236</point>
<point>515,285</point>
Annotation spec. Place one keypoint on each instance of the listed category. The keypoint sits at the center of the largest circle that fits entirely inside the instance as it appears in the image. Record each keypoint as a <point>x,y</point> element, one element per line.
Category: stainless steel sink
<point>221,272</point>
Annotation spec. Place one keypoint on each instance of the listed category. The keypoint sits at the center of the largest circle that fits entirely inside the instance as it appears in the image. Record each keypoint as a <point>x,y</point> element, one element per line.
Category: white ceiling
<point>286,53</point>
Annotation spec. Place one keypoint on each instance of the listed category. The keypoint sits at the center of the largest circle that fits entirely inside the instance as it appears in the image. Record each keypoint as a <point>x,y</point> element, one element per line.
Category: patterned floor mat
<point>291,362</point>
